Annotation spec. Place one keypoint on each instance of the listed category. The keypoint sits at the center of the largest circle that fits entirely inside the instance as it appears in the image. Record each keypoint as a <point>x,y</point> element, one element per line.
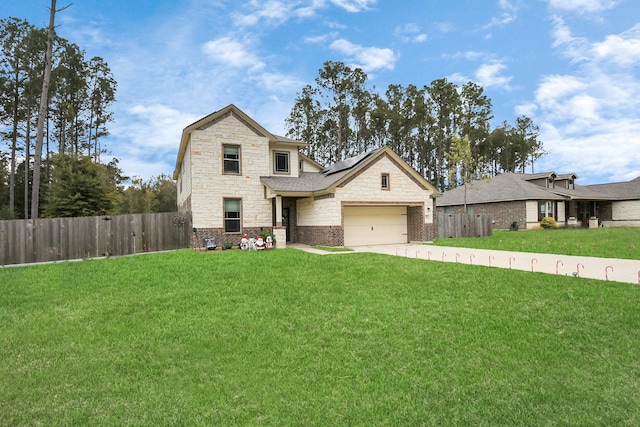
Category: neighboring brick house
<point>236,177</point>
<point>525,199</point>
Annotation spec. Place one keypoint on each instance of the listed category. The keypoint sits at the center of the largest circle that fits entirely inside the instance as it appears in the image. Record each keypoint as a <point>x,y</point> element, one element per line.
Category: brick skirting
<point>223,238</point>
<point>324,236</point>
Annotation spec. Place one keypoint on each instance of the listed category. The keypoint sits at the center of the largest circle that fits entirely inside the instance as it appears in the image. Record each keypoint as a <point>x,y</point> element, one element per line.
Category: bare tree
<point>42,113</point>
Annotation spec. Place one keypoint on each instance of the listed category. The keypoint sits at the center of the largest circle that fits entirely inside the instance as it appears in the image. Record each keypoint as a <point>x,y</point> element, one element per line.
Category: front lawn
<point>285,337</point>
<point>601,242</point>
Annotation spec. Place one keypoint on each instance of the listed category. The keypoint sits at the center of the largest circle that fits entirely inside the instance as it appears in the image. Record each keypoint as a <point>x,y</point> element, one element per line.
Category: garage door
<point>375,225</point>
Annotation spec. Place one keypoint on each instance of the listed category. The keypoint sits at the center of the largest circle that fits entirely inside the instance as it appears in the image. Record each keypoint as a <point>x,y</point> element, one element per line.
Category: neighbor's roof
<point>325,181</point>
<point>619,190</point>
<point>212,118</point>
<point>516,187</point>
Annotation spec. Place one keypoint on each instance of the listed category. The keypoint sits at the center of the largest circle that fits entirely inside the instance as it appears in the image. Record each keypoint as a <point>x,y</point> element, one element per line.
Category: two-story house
<point>238,178</point>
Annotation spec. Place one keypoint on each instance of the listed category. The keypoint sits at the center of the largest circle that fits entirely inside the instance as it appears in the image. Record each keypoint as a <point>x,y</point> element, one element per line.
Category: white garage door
<point>375,225</point>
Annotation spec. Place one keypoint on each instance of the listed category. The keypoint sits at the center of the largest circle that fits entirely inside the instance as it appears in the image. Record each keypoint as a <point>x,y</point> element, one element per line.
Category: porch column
<point>280,233</point>
<point>278,211</point>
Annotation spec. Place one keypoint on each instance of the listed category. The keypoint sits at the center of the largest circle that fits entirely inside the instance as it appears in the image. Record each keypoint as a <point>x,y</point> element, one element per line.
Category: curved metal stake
<point>606,271</point>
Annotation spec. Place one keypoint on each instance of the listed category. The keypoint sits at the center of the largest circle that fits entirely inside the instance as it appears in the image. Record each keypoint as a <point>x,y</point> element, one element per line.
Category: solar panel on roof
<point>345,164</point>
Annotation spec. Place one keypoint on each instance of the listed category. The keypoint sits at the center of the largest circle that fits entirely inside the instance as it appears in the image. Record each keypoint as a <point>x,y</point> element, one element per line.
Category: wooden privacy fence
<point>464,225</point>
<point>56,239</point>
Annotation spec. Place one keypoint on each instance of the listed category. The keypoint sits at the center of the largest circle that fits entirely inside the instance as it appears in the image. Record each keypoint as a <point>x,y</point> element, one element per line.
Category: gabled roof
<point>517,187</point>
<point>212,118</point>
<point>566,176</point>
<point>326,181</point>
<point>310,160</point>
<point>534,176</point>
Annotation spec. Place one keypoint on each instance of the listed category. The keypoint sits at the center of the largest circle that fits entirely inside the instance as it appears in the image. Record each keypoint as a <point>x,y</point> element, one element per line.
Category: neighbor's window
<point>385,181</point>
<point>545,209</point>
<point>570,184</point>
<point>232,215</point>
<point>231,159</point>
<point>550,183</point>
<point>281,162</point>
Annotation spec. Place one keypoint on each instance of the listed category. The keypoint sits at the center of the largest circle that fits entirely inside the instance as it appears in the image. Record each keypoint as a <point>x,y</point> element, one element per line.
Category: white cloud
<point>458,78</point>
<point>367,58</point>
<point>410,33</point>
<point>278,82</point>
<point>150,118</point>
<point>271,11</point>
<point>275,12</point>
<point>622,50</point>
<point>488,75</point>
<point>469,55</point>
<point>574,48</point>
<point>509,12</point>
<point>592,113</point>
<point>354,5</point>
<point>557,87</point>
<point>321,38</point>
<point>149,135</point>
<point>232,53</point>
<point>582,6</point>
<point>606,154</point>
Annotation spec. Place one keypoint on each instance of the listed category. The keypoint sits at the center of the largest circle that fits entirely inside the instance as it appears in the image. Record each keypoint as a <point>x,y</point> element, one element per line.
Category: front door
<point>285,221</point>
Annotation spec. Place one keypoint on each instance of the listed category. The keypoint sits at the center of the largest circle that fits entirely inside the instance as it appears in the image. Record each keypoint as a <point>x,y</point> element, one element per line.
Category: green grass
<point>602,242</point>
<point>285,337</point>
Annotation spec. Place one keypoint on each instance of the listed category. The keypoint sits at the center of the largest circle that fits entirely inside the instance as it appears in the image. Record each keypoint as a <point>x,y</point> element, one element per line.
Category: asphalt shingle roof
<point>312,182</point>
<point>307,182</point>
<point>619,190</point>
<point>512,186</point>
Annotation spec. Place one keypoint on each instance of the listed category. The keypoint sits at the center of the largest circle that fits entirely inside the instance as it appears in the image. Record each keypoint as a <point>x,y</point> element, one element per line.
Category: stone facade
<point>203,186</point>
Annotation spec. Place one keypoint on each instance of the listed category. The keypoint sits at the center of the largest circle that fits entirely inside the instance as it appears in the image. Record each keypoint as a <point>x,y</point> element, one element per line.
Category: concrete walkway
<point>619,270</point>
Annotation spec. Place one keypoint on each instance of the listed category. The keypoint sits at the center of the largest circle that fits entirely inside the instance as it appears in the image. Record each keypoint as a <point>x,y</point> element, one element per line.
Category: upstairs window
<point>384,181</point>
<point>281,162</point>
<point>550,183</point>
<point>232,216</point>
<point>231,159</point>
<point>570,184</point>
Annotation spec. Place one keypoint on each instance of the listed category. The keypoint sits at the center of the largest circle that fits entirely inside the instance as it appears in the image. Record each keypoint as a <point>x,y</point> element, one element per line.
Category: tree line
<point>76,178</point>
<point>429,127</point>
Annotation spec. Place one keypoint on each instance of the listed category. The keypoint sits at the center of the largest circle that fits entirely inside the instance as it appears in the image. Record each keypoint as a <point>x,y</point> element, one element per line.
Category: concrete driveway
<point>619,270</point>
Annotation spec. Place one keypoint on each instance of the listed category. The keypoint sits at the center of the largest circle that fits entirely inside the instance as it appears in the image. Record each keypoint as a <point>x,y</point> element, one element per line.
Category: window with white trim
<point>545,209</point>
<point>231,159</point>
<point>232,215</point>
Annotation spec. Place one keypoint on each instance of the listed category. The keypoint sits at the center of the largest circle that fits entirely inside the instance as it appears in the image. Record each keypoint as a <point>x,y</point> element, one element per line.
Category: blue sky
<point>573,66</point>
